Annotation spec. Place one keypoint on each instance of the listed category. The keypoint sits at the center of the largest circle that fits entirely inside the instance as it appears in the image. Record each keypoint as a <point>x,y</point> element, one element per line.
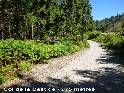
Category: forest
<point>110,34</point>
<point>33,31</point>
<point>112,24</point>
<point>58,46</point>
<point>113,29</point>
<point>43,19</point>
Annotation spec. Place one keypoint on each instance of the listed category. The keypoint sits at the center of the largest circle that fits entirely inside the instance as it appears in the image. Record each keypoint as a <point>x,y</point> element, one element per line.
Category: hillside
<point>112,24</point>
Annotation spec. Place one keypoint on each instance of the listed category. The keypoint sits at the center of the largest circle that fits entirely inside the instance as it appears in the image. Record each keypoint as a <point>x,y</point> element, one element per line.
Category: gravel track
<point>89,68</point>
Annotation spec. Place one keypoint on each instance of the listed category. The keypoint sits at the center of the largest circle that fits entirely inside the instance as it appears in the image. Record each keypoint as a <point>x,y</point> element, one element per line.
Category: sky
<point>106,8</point>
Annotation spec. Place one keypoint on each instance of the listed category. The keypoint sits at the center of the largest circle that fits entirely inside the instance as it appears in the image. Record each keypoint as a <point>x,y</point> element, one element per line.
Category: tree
<point>45,19</point>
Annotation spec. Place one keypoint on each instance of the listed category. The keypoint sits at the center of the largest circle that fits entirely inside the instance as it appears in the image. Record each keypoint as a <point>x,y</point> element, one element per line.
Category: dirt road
<point>89,71</point>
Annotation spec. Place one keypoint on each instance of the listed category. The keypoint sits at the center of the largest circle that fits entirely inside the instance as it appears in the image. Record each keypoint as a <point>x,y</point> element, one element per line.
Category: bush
<point>114,41</point>
<point>15,51</point>
<point>83,44</point>
<point>7,73</point>
<point>100,38</point>
<point>23,54</point>
<point>91,35</point>
<point>25,66</point>
<point>111,41</point>
<point>2,79</point>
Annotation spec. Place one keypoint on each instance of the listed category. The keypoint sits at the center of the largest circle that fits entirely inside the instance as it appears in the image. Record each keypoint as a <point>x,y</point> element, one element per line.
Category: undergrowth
<point>111,41</point>
<point>22,54</point>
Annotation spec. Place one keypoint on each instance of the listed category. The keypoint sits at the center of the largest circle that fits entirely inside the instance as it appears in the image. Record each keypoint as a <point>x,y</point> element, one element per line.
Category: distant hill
<point>112,24</point>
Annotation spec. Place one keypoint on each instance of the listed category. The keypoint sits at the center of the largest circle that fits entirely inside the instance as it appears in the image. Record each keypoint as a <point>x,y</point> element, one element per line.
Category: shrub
<point>91,35</point>
<point>2,79</point>
<point>114,41</point>
<point>100,38</point>
<point>7,73</point>
<point>14,51</point>
<point>83,44</point>
<point>23,54</point>
<point>111,41</point>
<point>25,66</point>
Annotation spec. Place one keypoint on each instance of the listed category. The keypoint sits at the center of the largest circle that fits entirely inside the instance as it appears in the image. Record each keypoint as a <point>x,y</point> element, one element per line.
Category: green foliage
<point>36,19</point>
<point>25,66</point>
<point>91,35</point>
<point>7,73</point>
<point>2,79</point>
<point>22,54</point>
<point>100,38</point>
<point>114,41</point>
<point>13,51</point>
<point>112,24</point>
<point>31,19</point>
<point>111,41</point>
<point>84,44</point>
<point>45,20</point>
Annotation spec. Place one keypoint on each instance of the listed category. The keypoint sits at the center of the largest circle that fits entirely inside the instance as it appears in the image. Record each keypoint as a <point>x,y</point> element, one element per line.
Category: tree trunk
<point>2,34</point>
<point>10,32</point>
<point>32,31</point>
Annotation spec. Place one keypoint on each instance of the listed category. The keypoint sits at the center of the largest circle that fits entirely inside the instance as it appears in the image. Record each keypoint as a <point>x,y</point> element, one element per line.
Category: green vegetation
<point>113,24</point>
<point>2,79</point>
<point>92,34</point>
<point>111,41</point>
<point>113,32</point>
<point>33,31</point>
<point>45,20</point>
<point>7,73</point>
<point>113,28</point>
<point>17,50</point>
<point>18,54</point>
<point>25,66</point>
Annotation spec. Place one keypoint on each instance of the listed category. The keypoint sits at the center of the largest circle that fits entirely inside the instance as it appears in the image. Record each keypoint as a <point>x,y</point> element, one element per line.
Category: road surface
<point>91,71</point>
